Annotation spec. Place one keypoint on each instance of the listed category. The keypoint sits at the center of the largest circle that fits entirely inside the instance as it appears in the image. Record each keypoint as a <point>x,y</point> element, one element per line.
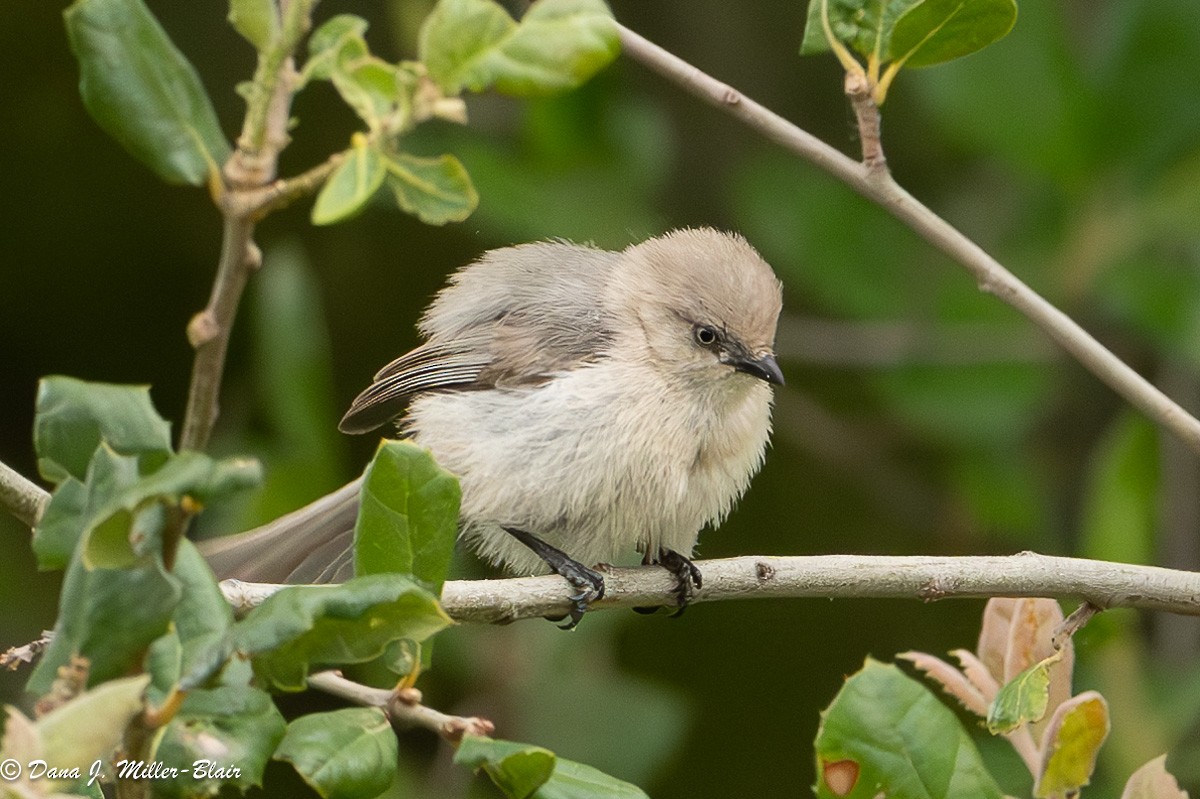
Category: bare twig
<point>1073,624</point>
<point>878,186</point>
<point>14,656</point>
<point>22,498</point>
<point>402,706</point>
<point>1103,584</point>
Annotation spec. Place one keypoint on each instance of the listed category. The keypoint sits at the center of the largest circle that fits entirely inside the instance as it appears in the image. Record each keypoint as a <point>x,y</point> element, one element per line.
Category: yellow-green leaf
<point>1023,699</point>
<point>350,186</point>
<point>1070,745</point>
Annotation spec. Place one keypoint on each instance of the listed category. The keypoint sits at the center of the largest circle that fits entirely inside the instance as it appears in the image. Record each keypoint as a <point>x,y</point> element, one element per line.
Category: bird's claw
<point>590,585</point>
<point>688,579</point>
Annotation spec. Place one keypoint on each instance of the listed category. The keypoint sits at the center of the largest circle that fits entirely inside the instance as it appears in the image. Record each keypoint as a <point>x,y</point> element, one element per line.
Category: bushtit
<point>590,402</point>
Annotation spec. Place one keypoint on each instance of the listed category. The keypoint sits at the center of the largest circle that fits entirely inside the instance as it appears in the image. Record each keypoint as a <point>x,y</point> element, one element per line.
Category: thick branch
<point>20,497</point>
<point>878,186</point>
<point>1103,584</point>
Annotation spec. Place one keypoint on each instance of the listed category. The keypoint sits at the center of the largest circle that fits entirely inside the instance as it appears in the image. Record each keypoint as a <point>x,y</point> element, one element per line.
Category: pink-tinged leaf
<point>953,681</point>
<point>1070,744</point>
<point>1032,625</point>
<point>993,636</point>
<point>978,674</point>
<point>1153,781</point>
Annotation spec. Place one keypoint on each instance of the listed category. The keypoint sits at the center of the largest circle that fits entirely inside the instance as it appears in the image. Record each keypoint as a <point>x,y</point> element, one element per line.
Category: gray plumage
<point>605,402</point>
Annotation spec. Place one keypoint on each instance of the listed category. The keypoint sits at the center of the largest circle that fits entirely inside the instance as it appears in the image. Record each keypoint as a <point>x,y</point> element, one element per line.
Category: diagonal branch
<point>1101,583</point>
<point>878,186</point>
<point>22,498</point>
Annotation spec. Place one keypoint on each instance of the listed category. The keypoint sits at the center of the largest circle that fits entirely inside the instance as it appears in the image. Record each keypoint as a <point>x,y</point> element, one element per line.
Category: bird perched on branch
<point>592,403</point>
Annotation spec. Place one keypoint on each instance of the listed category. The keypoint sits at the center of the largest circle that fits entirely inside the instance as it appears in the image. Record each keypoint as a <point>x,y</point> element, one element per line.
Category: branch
<point>251,168</point>
<point>402,706</point>
<point>1103,584</point>
<point>25,500</point>
<point>878,186</point>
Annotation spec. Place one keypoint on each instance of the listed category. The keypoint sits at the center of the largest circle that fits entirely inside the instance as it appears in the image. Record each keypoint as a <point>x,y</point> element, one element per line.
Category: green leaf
<point>886,733</point>
<point>1120,508</point>
<point>74,416</point>
<point>408,515</point>
<point>143,91</point>
<point>865,26</point>
<point>338,38</point>
<point>203,618</point>
<point>1023,699</point>
<point>435,190</point>
<point>109,616</point>
<point>475,44</point>
<point>91,726</point>
<point>129,524</point>
<point>370,86</point>
<point>1070,745</point>
<point>61,524</point>
<point>523,771</point>
<point>936,31</point>
<point>350,186</point>
<point>305,628</point>
<point>344,754</point>
<point>256,20</point>
<point>222,736</point>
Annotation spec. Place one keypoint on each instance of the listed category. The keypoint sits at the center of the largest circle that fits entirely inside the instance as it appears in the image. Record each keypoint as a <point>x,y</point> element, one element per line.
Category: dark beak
<point>764,368</point>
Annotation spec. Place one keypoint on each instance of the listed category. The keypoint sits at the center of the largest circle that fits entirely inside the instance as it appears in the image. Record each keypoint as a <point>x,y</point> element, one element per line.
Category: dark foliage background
<point>920,416</point>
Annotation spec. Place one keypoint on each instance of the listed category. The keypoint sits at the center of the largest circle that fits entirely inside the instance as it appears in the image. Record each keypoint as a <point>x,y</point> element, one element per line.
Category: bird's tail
<point>309,545</point>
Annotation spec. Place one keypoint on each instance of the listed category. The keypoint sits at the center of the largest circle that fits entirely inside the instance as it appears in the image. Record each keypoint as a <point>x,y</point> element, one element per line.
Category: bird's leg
<point>588,582</point>
<point>687,577</point>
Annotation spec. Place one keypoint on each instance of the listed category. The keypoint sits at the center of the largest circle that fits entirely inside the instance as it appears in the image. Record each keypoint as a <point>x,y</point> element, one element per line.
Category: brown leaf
<point>1153,781</point>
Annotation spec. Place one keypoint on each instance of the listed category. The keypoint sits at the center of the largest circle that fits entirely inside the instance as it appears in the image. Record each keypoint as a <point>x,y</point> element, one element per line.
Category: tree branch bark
<point>1103,584</point>
<point>22,498</point>
<point>878,186</point>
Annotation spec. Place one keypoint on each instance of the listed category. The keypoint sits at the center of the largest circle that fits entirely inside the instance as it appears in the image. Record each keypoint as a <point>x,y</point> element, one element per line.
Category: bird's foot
<point>688,579</point>
<point>588,583</point>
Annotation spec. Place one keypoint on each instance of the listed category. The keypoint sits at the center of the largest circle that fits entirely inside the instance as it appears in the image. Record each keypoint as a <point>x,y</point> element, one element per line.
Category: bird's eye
<point>705,336</point>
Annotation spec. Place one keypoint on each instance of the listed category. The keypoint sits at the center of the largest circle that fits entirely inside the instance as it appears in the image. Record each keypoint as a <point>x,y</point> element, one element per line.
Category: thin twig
<point>878,186</point>
<point>22,498</point>
<point>1103,584</point>
<point>403,707</point>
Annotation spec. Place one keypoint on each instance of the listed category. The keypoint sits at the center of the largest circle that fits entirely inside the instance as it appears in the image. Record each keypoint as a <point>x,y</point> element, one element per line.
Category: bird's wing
<point>485,332</point>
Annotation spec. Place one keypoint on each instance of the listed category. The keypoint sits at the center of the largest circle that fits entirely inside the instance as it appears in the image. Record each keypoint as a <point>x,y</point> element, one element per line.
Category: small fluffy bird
<point>592,403</point>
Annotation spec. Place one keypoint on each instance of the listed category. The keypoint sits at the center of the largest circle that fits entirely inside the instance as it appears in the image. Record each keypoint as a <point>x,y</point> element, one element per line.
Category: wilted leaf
<point>435,190</point>
<point>1023,699</point>
<point>1070,745</point>
<point>74,416</point>
<point>475,44</point>
<point>408,515</point>
<point>91,725</point>
<point>303,628</point>
<point>523,771</point>
<point>344,754</point>
<point>1153,781</point>
<point>350,186</point>
<point>232,729</point>
<point>953,681</point>
<point>905,742</point>
<point>143,91</point>
<point>935,31</point>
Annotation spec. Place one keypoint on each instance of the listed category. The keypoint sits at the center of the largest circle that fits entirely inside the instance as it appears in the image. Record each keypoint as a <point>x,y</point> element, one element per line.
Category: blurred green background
<point>921,416</point>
